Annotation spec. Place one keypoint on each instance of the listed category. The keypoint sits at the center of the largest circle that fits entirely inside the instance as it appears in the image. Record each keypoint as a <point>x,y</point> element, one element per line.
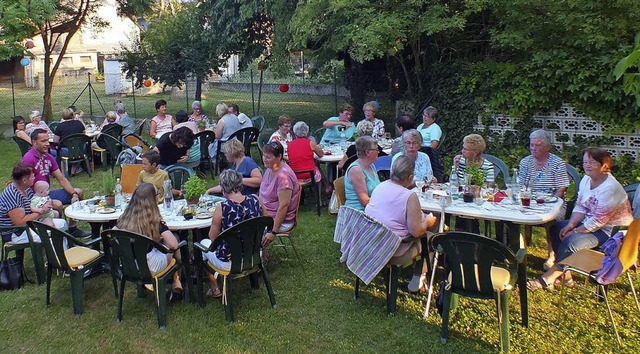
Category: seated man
<point>174,147</point>
<point>335,126</point>
<point>44,166</point>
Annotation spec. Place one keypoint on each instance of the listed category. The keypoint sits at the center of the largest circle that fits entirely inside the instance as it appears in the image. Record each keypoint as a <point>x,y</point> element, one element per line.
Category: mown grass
<point>316,311</point>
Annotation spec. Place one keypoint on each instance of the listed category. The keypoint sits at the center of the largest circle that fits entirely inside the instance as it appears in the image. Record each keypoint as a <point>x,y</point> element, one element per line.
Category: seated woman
<point>361,177</point>
<point>279,190</point>
<point>19,129</point>
<point>36,123</point>
<point>100,142</point>
<point>283,134</point>
<point>251,174</point>
<point>182,120</point>
<point>237,208</point>
<point>227,125</point>
<point>162,122</point>
<point>370,109</point>
<point>473,146</point>
<point>196,114</point>
<point>363,128</point>
<point>15,205</point>
<point>142,216</point>
<point>398,207</point>
<point>301,156</point>
<point>602,204</point>
<point>412,141</point>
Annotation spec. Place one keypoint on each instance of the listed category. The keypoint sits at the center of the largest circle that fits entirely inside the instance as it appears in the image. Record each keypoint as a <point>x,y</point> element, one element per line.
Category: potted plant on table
<point>194,187</point>
<point>108,189</point>
<point>202,125</point>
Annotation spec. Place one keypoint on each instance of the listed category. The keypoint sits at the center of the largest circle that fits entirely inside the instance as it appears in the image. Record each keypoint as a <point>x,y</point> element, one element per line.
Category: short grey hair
<point>34,114</point>
<point>119,107</point>
<point>230,181</point>
<point>365,143</point>
<point>541,134</point>
<point>412,133</point>
<point>196,104</point>
<point>364,127</point>
<point>402,168</point>
<point>301,129</point>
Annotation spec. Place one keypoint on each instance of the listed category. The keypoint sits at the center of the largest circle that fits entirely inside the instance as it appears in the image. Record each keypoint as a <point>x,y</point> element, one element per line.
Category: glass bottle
<point>168,196</point>
<point>118,191</point>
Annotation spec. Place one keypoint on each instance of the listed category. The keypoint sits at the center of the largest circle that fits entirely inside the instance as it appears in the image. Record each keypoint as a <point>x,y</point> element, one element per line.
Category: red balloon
<point>29,44</point>
<point>147,83</point>
<point>284,88</point>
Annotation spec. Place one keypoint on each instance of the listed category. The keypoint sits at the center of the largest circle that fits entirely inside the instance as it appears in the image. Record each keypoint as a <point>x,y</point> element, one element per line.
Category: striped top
<point>365,243</point>
<point>552,176</point>
<point>486,165</point>
<point>10,199</point>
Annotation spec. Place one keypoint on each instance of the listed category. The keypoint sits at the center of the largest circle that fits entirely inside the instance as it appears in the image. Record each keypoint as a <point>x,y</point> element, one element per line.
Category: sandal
<point>214,293</point>
<point>177,286</point>
<point>537,284</point>
<point>568,283</point>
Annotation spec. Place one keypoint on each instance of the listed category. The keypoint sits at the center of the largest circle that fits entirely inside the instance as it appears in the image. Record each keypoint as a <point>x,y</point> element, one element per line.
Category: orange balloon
<point>147,83</point>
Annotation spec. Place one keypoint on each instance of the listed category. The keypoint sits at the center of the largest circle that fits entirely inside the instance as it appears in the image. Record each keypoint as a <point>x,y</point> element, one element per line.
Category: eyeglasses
<point>376,150</point>
<point>411,143</point>
<point>369,110</point>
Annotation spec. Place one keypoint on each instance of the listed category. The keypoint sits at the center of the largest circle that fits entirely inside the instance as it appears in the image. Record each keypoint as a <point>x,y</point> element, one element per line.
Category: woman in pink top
<point>162,123</point>
<point>398,208</point>
<point>279,190</point>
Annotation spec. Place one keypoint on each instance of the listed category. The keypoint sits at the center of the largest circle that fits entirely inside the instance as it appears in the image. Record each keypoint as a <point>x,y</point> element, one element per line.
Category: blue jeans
<point>574,242</point>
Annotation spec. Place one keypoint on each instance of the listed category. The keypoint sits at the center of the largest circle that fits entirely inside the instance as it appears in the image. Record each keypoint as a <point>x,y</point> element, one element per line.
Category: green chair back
<point>23,145</point>
<point>114,130</point>
<point>246,137</point>
<point>500,168</point>
<point>318,134</point>
<point>53,124</point>
<point>178,176</point>
<point>258,122</point>
<point>141,128</point>
<point>206,138</point>
<point>77,145</point>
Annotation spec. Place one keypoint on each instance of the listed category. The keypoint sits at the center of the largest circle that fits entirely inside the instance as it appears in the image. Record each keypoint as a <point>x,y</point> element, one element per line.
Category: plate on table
<point>551,199</point>
<point>203,216</point>
<point>107,211</point>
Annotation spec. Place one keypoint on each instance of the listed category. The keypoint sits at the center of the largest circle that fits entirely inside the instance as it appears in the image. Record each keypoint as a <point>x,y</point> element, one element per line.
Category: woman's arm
<point>318,150</point>
<point>356,176</point>
<point>284,200</point>
<point>216,222</point>
<point>219,128</point>
<point>254,180</point>
<point>23,135</point>
<point>417,222</point>
<point>434,144</point>
<point>18,216</point>
<point>575,219</point>
<point>153,128</point>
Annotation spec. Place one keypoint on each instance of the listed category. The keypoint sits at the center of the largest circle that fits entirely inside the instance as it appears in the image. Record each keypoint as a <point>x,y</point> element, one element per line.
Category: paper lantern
<point>204,103</point>
<point>375,103</point>
<point>284,88</point>
<point>29,44</point>
<point>147,83</point>
<point>25,61</point>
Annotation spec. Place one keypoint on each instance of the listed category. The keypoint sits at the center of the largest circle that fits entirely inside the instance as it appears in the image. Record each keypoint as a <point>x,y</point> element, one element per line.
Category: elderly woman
<point>36,123</point>
<point>396,206</point>
<point>363,128</point>
<point>430,130</point>
<point>473,145</point>
<point>227,125</point>
<point>301,155</point>
<point>602,204</point>
<point>283,134</point>
<point>69,125</point>
<point>196,114</point>
<point>19,129</point>
<point>544,172</point>
<point>251,174</point>
<point>100,142</point>
<point>15,205</point>
<point>236,208</point>
<point>370,109</point>
<point>142,216</point>
<point>279,190</point>
<point>412,141</point>
<point>162,122</point>
<point>361,178</point>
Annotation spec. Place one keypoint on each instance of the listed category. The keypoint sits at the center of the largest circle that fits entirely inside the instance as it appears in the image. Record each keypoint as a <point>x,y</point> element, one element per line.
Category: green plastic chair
<point>23,145</point>
<point>481,268</point>
<point>206,138</point>
<point>75,260</point>
<point>53,125</point>
<point>142,128</point>
<point>263,139</point>
<point>77,146</point>
<point>311,187</point>
<point>178,176</point>
<point>18,248</point>
<point>109,155</point>
<point>258,122</point>
<point>244,241</point>
<point>318,134</point>
<point>129,264</point>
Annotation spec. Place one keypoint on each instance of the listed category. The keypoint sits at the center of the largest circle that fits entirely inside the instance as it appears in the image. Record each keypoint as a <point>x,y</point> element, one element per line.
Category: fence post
<point>90,100</point>
<point>335,89</point>
<point>186,91</point>
<point>253,100</point>
<point>13,97</point>
<point>133,92</point>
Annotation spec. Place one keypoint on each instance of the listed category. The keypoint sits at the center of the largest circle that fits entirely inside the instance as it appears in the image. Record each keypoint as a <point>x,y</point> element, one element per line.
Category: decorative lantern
<point>25,61</point>
<point>29,44</point>
<point>147,83</point>
<point>284,88</point>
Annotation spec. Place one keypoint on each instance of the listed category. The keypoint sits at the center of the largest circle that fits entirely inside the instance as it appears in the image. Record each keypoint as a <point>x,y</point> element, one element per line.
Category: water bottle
<point>453,180</point>
<point>343,139</point>
<point>118,191</point>
<point>515,185</point>
<point>168,196</point>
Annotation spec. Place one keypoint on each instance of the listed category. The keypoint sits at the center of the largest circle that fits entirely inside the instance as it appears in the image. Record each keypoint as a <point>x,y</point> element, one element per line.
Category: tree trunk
<point>357,87</point>
<point>198,88</point>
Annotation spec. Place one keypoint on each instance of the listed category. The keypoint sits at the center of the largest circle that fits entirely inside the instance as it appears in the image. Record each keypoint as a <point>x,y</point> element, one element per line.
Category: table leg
<point>515,242</point>
<point>186,260</point>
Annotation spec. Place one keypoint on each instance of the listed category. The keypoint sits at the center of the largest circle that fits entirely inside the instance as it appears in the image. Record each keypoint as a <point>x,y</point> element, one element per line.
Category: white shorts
<point>211,257</point>
<point>23,238</point>
<point>157,261</point>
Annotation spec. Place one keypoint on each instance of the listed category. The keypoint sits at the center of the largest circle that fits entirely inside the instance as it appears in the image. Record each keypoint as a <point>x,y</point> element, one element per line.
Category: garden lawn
<point>316,311</point>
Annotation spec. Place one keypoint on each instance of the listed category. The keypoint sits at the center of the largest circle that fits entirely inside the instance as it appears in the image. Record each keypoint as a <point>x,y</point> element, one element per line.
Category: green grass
<point>316,311</point>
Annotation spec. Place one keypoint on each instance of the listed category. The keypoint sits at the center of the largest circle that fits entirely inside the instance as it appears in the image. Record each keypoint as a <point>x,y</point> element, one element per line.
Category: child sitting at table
<point>152,174</point>
<point>41,198</point>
